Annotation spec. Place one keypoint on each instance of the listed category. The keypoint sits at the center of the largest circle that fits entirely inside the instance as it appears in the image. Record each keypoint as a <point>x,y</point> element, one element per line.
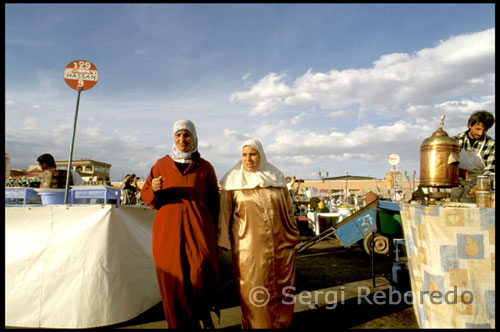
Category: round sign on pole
<point>393,159</point>
<point>81,75</point>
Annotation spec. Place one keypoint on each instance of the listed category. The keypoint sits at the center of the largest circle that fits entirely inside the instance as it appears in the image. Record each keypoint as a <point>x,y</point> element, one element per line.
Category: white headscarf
<point>179,156</point>
<point>265,176</point>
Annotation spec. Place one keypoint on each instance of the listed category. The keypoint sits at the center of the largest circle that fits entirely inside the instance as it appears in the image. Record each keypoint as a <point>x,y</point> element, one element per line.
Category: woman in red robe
<point>183,188</point>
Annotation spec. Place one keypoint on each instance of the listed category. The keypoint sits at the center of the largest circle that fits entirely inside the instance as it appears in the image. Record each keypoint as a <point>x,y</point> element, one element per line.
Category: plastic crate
<point>96,195</point>
<point>22,195</point>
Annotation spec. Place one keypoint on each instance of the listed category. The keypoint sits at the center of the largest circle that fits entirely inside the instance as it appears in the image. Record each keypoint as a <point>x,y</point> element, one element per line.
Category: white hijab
<point>179,156</point>
<point>266,176</point>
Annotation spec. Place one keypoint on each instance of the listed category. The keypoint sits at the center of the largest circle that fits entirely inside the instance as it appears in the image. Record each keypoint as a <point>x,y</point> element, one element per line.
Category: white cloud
<point>339,114</point>
<point>457,112</point>
<point>268,93</point>
<point>232,134</point>
<point>293,121</point>
<point>265,130</point>
<point>30,123</point>
<point>457,66</point>
<point>337,143</point>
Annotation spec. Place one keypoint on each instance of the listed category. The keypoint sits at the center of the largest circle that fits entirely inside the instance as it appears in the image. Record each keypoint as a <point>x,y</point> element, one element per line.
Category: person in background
<point>356,202</point>
<point>477,155</point>
<point>130,189</point>
<point>257,222</point>
<point>331,204</point>
<point>47,162</point>
<point>182,187</point>
<point>350,199</point>
<point>290,181</point>
<point>398,196</point>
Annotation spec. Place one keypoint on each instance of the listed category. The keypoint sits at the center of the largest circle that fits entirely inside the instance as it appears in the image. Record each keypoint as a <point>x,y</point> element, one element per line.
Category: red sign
<point>81,75</point>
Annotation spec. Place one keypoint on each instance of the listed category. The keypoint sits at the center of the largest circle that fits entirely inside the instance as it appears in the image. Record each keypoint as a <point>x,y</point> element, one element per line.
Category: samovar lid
<point>439,133</point>
<point>440,137</point>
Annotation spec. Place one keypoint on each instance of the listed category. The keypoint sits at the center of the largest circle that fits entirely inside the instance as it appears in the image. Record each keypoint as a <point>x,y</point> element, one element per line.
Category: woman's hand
<point>156,183</point>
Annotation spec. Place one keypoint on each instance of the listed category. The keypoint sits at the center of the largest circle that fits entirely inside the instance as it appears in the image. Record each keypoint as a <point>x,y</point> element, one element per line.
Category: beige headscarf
<point>266,176</point>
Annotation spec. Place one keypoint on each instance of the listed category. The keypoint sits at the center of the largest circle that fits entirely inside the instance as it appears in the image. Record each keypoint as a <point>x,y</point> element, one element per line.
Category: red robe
<point>184,238</point>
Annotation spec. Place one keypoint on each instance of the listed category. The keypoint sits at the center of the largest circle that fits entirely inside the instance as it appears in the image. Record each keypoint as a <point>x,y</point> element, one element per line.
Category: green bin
<point>389,223</point>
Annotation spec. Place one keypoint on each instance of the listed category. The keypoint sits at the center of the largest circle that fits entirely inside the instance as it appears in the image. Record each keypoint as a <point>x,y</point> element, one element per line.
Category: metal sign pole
<point>71,149</point>
<point>393,160</point>
<point>394,183</point>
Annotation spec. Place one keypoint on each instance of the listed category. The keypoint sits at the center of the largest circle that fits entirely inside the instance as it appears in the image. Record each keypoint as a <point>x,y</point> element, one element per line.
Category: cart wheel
<point>381,244</point>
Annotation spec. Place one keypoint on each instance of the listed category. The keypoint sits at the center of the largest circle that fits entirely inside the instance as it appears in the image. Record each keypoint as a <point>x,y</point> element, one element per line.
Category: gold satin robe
<point>259,225</point>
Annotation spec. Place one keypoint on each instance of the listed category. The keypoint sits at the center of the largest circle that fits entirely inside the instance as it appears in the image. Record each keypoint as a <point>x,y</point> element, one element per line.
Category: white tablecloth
<point>78,266</point>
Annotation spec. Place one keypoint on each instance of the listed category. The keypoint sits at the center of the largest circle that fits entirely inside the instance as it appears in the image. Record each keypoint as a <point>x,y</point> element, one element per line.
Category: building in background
<point>7,166</point>
<point>347,185</point>
<point>90,170</point>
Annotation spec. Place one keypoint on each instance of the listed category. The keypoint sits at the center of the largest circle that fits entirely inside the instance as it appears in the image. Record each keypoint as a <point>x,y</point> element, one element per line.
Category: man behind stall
<point>47,162</point>
<point>477,155</point>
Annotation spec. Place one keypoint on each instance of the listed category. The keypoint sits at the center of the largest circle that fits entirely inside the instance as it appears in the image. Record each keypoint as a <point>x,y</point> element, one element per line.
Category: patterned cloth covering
<point>451,259</point>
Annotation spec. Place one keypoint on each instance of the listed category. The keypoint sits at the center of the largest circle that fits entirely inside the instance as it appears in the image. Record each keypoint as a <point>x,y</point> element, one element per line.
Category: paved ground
<point>324,271</point>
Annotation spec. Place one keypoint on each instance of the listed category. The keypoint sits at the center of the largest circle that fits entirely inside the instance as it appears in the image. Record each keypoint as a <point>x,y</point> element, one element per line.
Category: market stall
<point>318,221</point>
<point>78,266</point>
<point>451,258</point>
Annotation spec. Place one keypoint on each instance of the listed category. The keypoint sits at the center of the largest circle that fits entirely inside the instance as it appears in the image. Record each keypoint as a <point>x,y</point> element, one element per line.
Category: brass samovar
<point>439,160</point>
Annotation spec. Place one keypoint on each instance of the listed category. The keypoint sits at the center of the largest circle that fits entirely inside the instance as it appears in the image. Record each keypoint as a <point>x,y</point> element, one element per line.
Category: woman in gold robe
<point>256,221</point>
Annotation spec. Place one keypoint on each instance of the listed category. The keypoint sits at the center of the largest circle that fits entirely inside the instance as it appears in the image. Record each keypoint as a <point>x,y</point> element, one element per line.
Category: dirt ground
<point>324,265</point>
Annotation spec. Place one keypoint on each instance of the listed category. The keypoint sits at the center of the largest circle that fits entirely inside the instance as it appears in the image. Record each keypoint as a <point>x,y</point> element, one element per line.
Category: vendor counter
<point>318,222</point>
<point>451,260</point>
<point>79,266</point>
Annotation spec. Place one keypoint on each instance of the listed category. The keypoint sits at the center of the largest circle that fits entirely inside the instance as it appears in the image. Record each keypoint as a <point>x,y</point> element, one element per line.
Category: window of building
<point>102,169</point>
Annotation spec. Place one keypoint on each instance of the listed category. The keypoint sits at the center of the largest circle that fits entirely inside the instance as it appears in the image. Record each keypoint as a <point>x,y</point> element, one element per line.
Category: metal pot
<point>439,159</point>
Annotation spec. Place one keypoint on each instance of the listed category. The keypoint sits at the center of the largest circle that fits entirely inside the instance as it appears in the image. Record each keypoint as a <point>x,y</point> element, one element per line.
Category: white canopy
<point>78,266</point>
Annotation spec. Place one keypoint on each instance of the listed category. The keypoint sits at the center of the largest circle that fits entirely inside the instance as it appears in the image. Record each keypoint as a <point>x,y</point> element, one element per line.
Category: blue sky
<point>333,88</point>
